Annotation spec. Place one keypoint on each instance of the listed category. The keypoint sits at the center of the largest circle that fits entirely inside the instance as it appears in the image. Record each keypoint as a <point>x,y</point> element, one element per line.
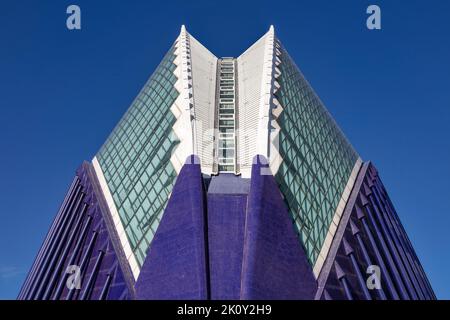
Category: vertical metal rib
<point>63,255</point>
<point>49,235</point>
<point>396,248</point>
<point>379,258</point>
<point>105,288</point>
<point>400,246</point>
<point>408,245</point>
<point>75,253</point>
<point>55,255</point>
<point>350,253</point>
<point>87,290</point>
<point>403,244</point>
<point>340,274</point>
<point>388,248</point>
<point>84,260</point>
<point>367,260</point>
<point>68,214</point>
<point>346,287</point>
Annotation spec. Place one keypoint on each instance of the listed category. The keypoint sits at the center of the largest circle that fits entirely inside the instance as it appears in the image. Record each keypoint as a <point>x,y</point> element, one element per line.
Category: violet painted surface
<point>226,219</point>
<point>175,266</point>
<point>236,241</point>
<point>79,237</point>
<point>370,233</point>
<point>228,183</point>
<point>269,264</point>
<point>274,263</point>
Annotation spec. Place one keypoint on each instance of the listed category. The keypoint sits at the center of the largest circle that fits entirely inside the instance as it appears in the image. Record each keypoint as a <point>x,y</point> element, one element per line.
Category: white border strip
<point>336,218</point>
<point>265,99</point>
<point>116,219</point>
<point>182,108</point>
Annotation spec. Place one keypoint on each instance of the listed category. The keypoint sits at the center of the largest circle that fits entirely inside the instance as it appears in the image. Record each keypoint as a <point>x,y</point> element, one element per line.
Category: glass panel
<point>135,159</point>
<point>317,158</point>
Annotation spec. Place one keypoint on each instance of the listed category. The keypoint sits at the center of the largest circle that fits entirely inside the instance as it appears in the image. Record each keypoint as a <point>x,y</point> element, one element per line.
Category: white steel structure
<point>226,111</point>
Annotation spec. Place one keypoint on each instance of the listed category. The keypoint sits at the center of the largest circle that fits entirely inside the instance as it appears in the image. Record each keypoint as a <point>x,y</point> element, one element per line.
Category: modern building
<point>227,178</point>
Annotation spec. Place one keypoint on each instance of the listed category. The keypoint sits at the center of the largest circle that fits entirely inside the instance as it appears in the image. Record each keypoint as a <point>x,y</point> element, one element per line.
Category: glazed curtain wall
<point>135,159</point>
<point>317,158</point>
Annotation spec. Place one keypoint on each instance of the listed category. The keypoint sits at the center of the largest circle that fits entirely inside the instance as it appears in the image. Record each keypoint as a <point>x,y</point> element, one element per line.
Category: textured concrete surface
<point>235,242</point>
<point>226,219</point>
<point>274,262</point>
<point>175,267</point>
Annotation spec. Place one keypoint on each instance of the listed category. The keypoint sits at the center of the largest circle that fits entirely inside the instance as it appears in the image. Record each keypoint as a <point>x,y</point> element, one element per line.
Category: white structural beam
<point>184,127</point>
<point>203,72</point>
<point>265,98</point>
<point>256,67</point>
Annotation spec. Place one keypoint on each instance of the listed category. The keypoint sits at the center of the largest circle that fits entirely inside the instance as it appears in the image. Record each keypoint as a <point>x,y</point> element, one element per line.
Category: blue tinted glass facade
<point>135,159</point>
<point>317,158</point>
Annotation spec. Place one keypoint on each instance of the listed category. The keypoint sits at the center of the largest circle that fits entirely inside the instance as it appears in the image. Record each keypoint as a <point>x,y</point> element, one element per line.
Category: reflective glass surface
<point>317,158</point>
<point>136,158</point>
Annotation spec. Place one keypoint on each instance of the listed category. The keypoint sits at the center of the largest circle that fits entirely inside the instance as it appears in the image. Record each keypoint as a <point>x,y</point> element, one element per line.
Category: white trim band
<point>116,219</point>
<point>336,219</point>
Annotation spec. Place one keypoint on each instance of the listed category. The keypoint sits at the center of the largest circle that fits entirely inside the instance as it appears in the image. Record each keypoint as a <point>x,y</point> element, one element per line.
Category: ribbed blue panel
<point>370,233</point>
<point>79,238</point>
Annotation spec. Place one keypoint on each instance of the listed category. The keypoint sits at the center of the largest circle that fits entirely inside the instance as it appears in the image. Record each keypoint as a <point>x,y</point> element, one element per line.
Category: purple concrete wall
<point>267,263</point>
<point>175,266</point>
<point>227,204</point>
<point>235,242</point>
<point>226,219</point>
<point>274,263</point>
<point>79,237</point>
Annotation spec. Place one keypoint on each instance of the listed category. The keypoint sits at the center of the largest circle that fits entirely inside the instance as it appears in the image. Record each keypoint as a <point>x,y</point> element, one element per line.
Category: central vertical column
<point>226,117</point>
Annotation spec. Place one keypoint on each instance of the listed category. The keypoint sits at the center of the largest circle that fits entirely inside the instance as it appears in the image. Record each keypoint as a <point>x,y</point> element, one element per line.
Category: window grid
<point>135,159</point>
<point>317,158</point>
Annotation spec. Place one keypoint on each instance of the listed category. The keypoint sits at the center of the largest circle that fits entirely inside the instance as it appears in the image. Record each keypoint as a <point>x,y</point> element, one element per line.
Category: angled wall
<point>318,165</point>
<point>274,263</point>
<point>176,263</point>
<point>371,234</point>
<point>204,68</point>
<point>227,206</point>
<point>251,77</point>
<point>134,165</point>
<point>236,241</point>
<point>81,238</point>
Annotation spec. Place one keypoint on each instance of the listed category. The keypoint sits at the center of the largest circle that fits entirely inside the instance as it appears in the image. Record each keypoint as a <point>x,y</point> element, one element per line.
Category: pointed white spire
<point>183,126</point>
<point>265,100</point>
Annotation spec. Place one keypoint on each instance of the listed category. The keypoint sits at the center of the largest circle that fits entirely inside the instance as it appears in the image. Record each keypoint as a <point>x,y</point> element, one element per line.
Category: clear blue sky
<point>62,92</point>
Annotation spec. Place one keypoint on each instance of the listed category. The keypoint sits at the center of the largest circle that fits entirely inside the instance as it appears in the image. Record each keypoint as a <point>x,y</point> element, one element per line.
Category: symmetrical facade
<point>227,178</point>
